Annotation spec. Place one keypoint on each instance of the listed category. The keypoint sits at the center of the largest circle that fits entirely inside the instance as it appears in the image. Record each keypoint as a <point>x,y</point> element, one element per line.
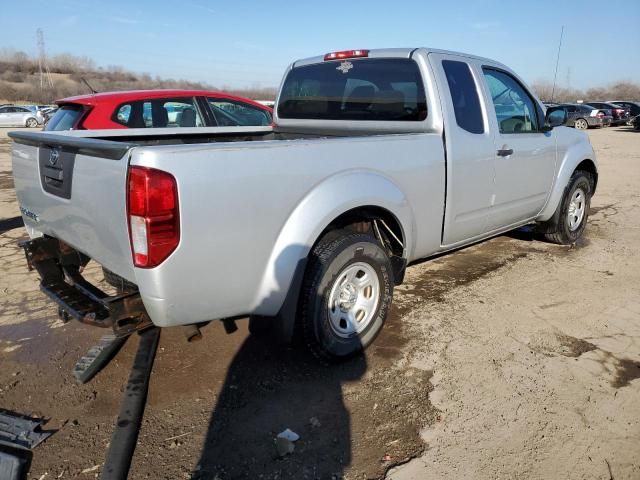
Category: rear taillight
<point>600,114</point>
<point>154,219</point>
<point>346,54</point>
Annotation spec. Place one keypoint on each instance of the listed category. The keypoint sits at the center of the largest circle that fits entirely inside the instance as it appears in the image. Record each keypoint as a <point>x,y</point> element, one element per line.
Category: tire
<point>31,123</point>
<point>353,273</point>
<point>581,124</point>
<point>570,218</point>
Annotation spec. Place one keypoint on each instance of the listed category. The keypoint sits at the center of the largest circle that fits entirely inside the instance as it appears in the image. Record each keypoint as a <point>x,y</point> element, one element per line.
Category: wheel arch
<point>587,165</point>
<point>562,179</point>
<point>349,200</point>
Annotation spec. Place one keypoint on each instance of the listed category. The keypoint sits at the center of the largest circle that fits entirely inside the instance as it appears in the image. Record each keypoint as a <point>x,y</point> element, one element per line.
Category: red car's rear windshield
<point>65,118</point>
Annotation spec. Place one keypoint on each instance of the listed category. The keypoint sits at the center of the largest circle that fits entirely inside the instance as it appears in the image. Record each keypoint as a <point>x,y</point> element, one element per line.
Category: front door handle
<point>505,152</point>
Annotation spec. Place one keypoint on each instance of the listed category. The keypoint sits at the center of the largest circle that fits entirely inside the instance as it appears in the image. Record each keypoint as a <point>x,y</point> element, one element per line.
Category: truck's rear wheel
<point>570,219</point>
<point>346,295</point>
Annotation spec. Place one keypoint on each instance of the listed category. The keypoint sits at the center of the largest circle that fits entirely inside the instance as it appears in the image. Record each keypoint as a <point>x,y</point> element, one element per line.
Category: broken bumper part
<point>60,266</point>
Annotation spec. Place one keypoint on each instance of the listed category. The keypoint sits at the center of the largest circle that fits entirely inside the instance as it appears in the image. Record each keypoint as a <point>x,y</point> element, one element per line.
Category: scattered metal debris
<point>284,442</point>
<point>97,357</point>
<point>18,435</point>
<point>125,435</point>
<point>21,431</point>
<point>90,469</point>
<point>289,435</point>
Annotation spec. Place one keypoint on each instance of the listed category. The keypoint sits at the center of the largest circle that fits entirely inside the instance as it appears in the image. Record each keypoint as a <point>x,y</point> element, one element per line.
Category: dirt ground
<point>510,359</point>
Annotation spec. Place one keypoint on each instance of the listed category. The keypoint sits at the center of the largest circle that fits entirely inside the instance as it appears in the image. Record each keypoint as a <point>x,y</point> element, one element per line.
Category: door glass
<point>159,113</point>
<point>234,114</point>
<point>515,109</point>
<point>464,94</point>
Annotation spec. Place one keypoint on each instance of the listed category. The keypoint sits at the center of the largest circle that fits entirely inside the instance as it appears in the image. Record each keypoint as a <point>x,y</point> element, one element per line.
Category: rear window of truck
<point>388,89</point>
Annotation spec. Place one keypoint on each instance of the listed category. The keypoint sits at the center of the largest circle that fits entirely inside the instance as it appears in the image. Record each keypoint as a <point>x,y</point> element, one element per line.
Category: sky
<point>250,43</point>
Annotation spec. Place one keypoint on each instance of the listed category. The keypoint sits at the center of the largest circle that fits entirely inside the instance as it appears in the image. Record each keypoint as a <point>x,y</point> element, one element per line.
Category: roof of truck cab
<point>132,95</point>
<point>395,53</point>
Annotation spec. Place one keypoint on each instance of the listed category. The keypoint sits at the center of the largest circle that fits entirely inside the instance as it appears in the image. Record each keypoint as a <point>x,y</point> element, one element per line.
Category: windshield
<point>65,118</point>
<point>356,89</point>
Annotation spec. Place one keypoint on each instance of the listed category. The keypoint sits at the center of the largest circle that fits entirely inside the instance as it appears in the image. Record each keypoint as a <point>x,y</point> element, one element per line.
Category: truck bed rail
<point>84,146</point>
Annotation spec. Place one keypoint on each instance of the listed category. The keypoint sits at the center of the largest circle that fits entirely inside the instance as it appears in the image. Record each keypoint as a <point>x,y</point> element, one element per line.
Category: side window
<point>159,113</point>
<point>234,114</point>
<point>515,109</point>
<point>466,103</point>
<point>570,108</point>
<point>123,113</point>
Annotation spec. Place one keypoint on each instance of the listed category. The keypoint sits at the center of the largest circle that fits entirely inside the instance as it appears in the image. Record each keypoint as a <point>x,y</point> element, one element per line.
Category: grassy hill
<point>20,80</point>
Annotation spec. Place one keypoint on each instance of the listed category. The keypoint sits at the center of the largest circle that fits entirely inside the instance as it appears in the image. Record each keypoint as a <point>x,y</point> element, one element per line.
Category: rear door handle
<point>505,152</point>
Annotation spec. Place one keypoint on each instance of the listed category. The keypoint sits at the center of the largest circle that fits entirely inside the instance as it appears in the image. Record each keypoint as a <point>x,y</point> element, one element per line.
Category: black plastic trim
<point>79,145</point>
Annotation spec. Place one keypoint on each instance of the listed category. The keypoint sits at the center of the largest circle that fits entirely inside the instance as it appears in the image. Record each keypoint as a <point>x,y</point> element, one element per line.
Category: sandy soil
<point>509,359</point>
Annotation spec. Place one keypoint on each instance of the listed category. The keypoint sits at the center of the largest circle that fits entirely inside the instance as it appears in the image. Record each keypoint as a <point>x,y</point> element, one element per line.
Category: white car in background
<point>17,116</point>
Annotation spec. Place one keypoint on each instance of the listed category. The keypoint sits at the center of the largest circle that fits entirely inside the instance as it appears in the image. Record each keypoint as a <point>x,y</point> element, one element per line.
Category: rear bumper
<point>620,121</point>
<point>60,268</point>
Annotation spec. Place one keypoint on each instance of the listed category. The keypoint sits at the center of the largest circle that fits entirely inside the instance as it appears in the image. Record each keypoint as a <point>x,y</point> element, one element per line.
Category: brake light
<point>620,110</point>
<point>154,220</point>
<point>346,54</point>
<point>600,114</point>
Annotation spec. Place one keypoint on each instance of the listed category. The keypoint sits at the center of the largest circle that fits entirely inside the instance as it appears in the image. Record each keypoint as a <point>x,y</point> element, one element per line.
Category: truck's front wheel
<point>570,218</point>
<point>346,294</point>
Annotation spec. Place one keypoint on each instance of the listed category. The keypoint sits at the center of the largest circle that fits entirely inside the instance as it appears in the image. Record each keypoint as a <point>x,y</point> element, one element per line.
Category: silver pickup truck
<point>377,158</point>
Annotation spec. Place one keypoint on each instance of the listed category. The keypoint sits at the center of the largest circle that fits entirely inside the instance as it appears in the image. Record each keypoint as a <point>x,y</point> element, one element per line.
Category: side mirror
<point>554,117</point>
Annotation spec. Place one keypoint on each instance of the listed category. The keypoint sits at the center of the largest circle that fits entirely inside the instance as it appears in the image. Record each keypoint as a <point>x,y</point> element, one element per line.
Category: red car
<point>158,109</point>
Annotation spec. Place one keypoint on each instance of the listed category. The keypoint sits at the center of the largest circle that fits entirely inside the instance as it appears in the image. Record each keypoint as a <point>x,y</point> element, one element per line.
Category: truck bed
<point>240,195</point>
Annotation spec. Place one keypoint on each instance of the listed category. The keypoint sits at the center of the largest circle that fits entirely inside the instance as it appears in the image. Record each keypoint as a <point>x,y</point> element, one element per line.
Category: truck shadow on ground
<point>266,390</point>
<point>270,387</point>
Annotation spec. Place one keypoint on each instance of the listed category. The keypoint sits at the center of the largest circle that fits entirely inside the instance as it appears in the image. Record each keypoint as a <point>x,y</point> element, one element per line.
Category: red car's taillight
<point>154,218</point>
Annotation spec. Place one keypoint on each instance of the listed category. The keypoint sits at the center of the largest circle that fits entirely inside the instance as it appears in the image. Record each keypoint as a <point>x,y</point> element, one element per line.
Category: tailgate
<point>74,189</point>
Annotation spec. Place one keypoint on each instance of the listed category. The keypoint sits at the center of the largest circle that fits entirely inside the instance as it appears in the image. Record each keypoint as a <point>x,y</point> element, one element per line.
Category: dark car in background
<point>157,109</point>
<point>632,106</point>
<point>582,116</point>
<point>620,114</point>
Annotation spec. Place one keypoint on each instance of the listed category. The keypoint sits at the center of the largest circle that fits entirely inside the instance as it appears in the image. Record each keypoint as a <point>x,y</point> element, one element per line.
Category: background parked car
<point>583,116</point>
<point>159,109</point>
<point>620,114</point>
<point>636,122</point>
<point>18,116</point>
<point>38,111</point>
<point>633,107</point>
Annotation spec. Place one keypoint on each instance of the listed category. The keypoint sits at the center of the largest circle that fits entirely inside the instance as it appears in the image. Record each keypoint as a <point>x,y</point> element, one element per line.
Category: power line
<point>555,75</point>
<point>43,67</point>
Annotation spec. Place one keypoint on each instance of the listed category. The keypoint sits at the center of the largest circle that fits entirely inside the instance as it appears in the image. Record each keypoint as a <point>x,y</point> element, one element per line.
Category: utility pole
<point>555,76</point>
<point>42,62</point>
